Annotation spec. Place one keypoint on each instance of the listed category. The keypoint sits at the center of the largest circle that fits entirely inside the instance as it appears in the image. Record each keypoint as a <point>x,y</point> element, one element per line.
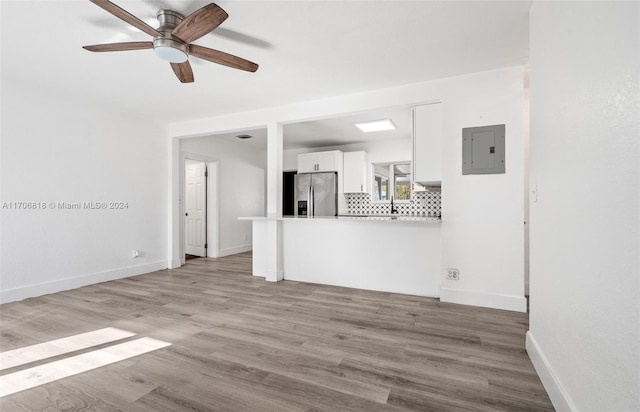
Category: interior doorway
<point>199,207</point>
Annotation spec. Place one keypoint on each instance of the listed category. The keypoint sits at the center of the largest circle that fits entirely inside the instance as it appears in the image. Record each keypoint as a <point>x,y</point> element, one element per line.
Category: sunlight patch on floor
<point>73,365</point>
<point>33,353</point>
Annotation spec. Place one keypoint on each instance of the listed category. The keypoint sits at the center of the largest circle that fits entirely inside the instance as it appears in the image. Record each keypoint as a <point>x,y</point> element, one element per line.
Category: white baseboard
<point>487,300</point>
<point>557,394</point>
<point>235,250</point>
<point>12,295</point>
<point>175,263</point>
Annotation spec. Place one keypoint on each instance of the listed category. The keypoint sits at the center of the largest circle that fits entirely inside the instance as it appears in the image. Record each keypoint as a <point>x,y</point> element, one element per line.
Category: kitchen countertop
<point>360,218</point>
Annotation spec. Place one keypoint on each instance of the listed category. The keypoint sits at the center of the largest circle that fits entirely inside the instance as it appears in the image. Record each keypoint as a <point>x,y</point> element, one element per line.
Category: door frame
<point>213,203</point>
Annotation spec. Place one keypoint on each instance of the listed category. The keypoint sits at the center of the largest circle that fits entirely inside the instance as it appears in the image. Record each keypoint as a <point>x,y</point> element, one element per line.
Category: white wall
<point>584,335</point>
<point>56,151</point>
<point>483,215</point>
<point>526,191</point>
<point>483,231</point>
<point>241,182</point>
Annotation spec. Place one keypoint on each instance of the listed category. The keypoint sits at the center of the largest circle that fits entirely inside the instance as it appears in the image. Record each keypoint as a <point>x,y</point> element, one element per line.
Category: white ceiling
<point>306,50</point>
<point>334,131</point>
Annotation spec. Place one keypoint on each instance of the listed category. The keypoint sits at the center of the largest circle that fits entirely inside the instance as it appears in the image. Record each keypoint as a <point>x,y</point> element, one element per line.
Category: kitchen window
<point>391,179</point>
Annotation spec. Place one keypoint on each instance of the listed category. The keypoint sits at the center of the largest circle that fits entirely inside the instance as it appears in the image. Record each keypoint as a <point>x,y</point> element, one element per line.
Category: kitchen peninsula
<point>362,216</point>
<point>400,255</point>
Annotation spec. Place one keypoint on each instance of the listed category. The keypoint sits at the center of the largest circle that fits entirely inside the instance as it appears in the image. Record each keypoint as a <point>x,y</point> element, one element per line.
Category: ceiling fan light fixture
<point>171,54</point>
<point>170,50</point>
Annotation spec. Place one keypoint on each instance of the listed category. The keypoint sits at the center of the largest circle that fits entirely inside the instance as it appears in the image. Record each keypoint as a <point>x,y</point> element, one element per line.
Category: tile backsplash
<point>421,204</point>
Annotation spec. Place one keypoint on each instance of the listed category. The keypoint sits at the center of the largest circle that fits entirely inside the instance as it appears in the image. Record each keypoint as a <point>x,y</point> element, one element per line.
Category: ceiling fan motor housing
<point>168,47</point>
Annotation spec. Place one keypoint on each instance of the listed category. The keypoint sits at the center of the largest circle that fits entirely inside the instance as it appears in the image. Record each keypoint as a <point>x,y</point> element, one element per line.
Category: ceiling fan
<point>172,39</point>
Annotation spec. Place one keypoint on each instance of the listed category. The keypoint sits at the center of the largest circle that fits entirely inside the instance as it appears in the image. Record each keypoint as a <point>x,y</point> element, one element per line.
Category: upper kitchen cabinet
<point>427,146</point>
<point>330,161</point>
<point>355,172</point>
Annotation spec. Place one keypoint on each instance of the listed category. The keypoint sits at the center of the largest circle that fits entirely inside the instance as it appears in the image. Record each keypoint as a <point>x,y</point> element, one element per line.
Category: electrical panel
<point>483,150</point>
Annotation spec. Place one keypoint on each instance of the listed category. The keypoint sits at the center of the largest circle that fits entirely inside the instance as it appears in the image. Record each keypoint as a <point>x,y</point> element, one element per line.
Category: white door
<point>195,206</point>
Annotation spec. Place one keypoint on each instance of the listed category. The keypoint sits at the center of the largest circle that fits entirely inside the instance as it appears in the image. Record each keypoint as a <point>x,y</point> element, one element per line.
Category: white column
<point>175,214</point>
<point>274,202</point>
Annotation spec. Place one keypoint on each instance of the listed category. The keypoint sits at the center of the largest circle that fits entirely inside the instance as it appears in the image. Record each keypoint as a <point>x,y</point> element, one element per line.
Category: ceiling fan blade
<point>126,16</point>
<point>199,23</point>
<point>223,58</point>
<point>109,47</point>
<point>183,71</point>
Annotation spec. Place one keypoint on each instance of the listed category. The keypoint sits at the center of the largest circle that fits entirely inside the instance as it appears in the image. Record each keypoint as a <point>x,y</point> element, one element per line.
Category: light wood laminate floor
<point>238,343</point>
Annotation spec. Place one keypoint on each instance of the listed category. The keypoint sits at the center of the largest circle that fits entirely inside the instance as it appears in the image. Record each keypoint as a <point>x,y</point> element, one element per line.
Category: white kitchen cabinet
<point>330,161</point>
<point>355,172</point>
<point>307,162</point>
<point>427,144</point>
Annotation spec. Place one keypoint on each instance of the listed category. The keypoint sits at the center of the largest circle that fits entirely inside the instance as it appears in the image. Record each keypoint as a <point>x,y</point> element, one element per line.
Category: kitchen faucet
<point>393,208</point>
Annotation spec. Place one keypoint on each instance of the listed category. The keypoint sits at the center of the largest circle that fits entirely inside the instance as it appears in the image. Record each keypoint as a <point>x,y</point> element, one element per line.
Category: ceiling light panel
<point>376,125</point>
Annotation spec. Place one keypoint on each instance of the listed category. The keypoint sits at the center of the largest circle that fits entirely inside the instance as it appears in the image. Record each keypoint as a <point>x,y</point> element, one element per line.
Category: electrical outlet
<point>453,274</point>
<point>244,237</point>
<point>135,253</point>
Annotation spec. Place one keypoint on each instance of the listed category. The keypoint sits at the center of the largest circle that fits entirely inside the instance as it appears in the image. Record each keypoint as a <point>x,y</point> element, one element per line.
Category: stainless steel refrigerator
<point>316,194</point>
